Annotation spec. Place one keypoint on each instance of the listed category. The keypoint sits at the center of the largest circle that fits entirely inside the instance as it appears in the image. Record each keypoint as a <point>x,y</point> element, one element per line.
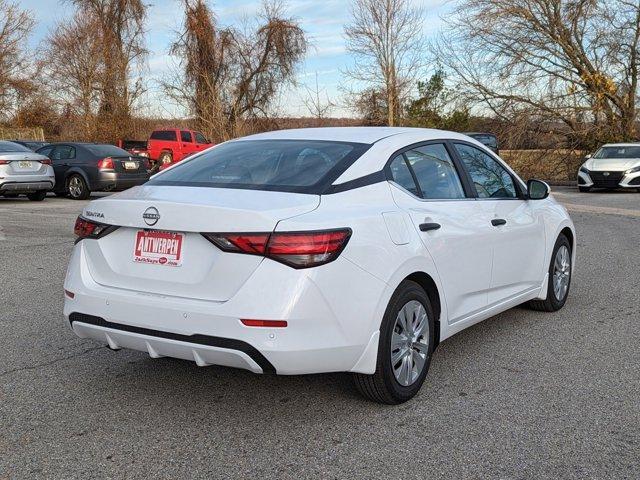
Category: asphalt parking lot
<point>522,395</point>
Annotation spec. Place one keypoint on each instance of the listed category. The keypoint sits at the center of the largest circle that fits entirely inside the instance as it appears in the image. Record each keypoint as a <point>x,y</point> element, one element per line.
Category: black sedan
<point>82,168</point>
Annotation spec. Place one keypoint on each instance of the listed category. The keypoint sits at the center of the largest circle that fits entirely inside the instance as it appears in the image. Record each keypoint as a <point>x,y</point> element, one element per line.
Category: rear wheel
<point>584,189</point>
<point>37,196</point>
<point>559,278</point>
<point>404,350</point>
<point>165,158</point>
<point>77,187</point>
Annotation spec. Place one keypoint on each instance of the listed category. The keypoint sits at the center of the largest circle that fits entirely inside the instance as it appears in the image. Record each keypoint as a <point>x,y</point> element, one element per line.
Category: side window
<point>167,135</point>
<point>200,138</point>
<point>65,152</point>
<point>46,151</point>
<point>185,136</point>
<point>435,172</point>
<point>402,175</point>
<point>489,177</point>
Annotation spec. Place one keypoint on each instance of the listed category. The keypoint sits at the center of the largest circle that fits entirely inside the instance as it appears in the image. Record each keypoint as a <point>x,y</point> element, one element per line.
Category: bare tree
<point>317,101</point>
<point>15,26</point>
<point>569,63</point>
<point>120,27</point>
<point>227,76</point>
<point>385,37</point>
<point>73,70</point>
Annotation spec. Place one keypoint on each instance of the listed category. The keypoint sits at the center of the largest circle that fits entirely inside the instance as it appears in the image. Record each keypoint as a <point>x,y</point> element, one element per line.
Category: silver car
<point>24,172</point>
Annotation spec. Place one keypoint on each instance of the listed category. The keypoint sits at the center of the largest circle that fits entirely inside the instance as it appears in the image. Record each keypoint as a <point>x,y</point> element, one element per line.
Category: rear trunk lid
<point>204,272</point>
<point>129,165</point>
<point>23,163</point>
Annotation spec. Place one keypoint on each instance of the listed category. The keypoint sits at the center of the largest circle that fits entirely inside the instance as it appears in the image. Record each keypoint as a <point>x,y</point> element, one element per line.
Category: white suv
<point>318,250</point>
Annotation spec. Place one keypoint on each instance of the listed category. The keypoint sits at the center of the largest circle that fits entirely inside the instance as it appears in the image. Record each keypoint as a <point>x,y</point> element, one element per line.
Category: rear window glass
<point>12,147</point>
<point>488,140</point>
<point>168,135</point>
<point>281,165</point>
<point>618,152</point>
<point>107,150</point>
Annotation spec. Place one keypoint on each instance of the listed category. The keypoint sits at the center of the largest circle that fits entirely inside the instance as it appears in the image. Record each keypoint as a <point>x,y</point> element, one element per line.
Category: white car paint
<point>627,168</point>
<point>334,310</point>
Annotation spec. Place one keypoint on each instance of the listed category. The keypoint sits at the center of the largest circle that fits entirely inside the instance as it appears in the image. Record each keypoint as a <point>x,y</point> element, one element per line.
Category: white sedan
<point>615,165</point>
<point>319,250</point>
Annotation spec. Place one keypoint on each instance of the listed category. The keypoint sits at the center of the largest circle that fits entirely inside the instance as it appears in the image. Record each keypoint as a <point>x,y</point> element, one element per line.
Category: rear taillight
<point>105,164</point>
<point>46,161</point>
<point>87,229</point>
<point>296,249</point>
<point>4,162</point>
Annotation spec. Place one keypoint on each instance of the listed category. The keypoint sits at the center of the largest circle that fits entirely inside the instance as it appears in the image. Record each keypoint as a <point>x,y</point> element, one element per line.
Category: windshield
<point>107,151</point>
<point>302,166</point>
<point>618,152</point>
<point>9,147</point>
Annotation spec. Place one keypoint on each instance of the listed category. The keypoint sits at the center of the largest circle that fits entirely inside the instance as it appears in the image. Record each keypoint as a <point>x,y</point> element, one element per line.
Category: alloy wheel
<point>75,187</point>
<point>410,343</point>
<point>561,272</point>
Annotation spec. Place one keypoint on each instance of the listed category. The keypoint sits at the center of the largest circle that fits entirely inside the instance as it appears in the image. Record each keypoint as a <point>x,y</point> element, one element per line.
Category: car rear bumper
<point>26,186</point>
<point>112,181</point>
<point>331,313</point>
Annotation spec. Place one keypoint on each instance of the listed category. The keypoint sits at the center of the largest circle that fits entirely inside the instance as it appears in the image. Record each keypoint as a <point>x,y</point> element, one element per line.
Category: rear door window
<point>435,172</point>
<point>166,135</point>
<point>185,136</point>
<point>401,174</point>
<point>282,165</point>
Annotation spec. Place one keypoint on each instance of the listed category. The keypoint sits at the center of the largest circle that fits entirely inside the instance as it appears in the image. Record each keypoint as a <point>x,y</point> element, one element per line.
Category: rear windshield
<point>488,140</point>
<point>107,151</point>
<point>7,147</point>
<point>618,152</point>
<point>168,135</point>
<point>303,166</point>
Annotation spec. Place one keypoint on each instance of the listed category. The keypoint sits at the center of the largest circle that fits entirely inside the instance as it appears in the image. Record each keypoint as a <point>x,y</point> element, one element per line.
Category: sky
<point>322,20</point>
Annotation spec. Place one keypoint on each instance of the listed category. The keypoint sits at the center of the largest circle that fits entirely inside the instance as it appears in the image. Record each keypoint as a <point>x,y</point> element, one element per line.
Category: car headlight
<point>584,169</point>
<point>633,170</point>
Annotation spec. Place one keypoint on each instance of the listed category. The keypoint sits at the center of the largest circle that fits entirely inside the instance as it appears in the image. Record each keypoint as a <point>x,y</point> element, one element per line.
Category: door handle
<point>496,222</point>
<point>425,227</point>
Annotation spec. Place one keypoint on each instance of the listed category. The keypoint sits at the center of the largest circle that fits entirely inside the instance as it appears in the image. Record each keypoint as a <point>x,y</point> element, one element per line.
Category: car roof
<point>637,144</point>
<point>480,133</point>
<point>368,135</point>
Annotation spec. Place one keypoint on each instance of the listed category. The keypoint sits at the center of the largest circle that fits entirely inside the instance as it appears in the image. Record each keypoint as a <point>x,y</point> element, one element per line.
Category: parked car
<point>23,172</point>
<point>82,168</point>
<point>169,146</point>
<point>614,165</point>
<point>32,145</point>
<point>319,250</point>
<point>134,147</point>
<point>489,140</point>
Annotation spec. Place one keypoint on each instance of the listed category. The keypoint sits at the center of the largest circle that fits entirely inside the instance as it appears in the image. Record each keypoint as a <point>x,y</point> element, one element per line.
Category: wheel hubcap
<point>561,272</point>
<point>410,343</point>
<point>75,188</point>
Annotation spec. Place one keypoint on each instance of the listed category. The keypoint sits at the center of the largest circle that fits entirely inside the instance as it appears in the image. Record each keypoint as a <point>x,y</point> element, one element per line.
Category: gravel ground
<point>522,395</point>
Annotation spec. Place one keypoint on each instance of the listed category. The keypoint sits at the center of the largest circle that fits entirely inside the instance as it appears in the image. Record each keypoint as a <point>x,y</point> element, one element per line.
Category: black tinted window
<point>185,136</point>
<point>402,175</point>
<point>489,177</point>
<point>488,140</point>
<point>45,151</point>
<point>63,152</point>
<point>168,135</point>
<point>107,151</point>
<point>12,147</point>
<point>286,165</point>
<point>200,138</point>
<point>435,172</point>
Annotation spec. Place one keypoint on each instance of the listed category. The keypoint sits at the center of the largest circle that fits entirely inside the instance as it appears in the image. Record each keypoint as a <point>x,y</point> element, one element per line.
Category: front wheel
<point>404,350</point>
<point>37,196</point>
<point>559,278</point>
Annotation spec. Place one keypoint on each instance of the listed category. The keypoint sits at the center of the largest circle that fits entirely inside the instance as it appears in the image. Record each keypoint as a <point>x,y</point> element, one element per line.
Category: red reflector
<point>69,294</point>
<point>105,164</point>
<point>84,228</point>
<point>4,162</point>
<point>264,323</point>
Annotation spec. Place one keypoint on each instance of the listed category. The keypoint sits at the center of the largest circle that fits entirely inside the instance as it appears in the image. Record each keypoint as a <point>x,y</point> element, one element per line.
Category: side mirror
<point>537,190</point>
<point>587,156</point>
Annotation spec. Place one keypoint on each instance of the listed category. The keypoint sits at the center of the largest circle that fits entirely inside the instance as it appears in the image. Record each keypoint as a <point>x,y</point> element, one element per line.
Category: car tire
<point>165,159</point>
<point>396,383</point>
<point>77,187</point>
<point>37,196</point>
<point>584,189</point>
<point>560,268</point>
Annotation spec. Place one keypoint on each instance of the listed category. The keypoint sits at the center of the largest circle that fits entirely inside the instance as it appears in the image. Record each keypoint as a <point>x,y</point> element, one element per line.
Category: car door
<point>60,165</point>
<point>186,143</point>
<point>201,141</point>
<point>449,221</point>
<point>517,235</point>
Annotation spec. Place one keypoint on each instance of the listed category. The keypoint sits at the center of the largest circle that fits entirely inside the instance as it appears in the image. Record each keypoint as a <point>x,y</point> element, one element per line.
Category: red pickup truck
<point>170,145</point>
